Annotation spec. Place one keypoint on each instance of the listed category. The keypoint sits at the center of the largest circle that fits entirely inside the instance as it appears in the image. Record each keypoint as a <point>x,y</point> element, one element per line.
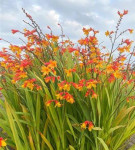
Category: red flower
<point>125,12</point>
<point>14,31</point>
<point>91,126</point>
<point>127,42</point>
<point>111,78</point>
<point>2,142</point>
<point>49,102</point>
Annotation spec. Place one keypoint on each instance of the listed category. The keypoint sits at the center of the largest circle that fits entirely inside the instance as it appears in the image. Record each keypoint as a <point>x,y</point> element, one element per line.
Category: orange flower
<point>120,14</point>
<point>84,125</point>
<point>88,124</point>
<point>117,74</point>
<point>29,83</point>
<point>111,78</point>
<point>69,72</point>
<point>45,70</point>
<point>69,98</point>
<point>47,79</point>
<point>56,49</point>
<point>48,36</point>
<point>91,83</point>
<point>52,64</point>
<point>2,142</point>
<point>107,33</point>
<point>49,102</point>
<point>55,38</point>
<point>59,95</point>
<point>127,100</point>
<point>38,87</point>
<point>94,95</point>
<point>57,104</point>
<point>86,31</point>
<point>130,30</point>
<point>91,126</point>
<point>64,86</point>
<point>80,87</point>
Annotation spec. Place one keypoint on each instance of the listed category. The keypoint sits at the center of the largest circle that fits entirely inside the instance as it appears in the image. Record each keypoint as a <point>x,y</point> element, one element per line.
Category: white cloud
<point>83,2</point>
<point>53,15</point>
<point>110,22</point>
<point>105,2</point>
<point>36,8</point>
<point>72,14</point>
<point>7,17</point>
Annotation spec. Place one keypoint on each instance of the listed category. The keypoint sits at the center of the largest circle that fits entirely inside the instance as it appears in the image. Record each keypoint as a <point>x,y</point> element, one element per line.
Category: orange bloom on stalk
<point>48,103</point>
<point>86,31</point>
<point>131,31</point>
<point>29,83</point>
<point>88,124</point>
<point>83,41</point>
<point>111,78</point>
<point>122,14</point>
<point>45,70</point>
<point>94,95</point>
<point>2,142</point>
<point>107,33</point>
<point>22,74</point>
<point>127,100</point>
<point>69,98</point>
<point>91,83</point>
<point>57,103</point>
<point>64,86</point>
<point>56,49</point>
<point>80,87</point>
<point>59,95</point>
<point>133,73</point>
<point>117,74</point>
<point>55,38</point>
<point>47,79</point>
<point>38,87</point>
<point>91,126</point>
<point>48,36</point>
<point>84,125</point>
<point>52,64</point>
<point>69,72</point>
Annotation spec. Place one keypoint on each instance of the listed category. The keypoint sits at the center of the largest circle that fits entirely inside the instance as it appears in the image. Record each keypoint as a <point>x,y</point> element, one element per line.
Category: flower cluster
<point>30,84</point>
<point>85,77</point>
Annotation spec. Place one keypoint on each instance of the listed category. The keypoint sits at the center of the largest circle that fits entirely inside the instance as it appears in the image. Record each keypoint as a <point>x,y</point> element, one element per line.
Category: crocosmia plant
<point>59,95</point>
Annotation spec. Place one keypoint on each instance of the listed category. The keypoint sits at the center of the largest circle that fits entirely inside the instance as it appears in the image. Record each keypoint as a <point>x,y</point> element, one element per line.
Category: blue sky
<point>73,15</point>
